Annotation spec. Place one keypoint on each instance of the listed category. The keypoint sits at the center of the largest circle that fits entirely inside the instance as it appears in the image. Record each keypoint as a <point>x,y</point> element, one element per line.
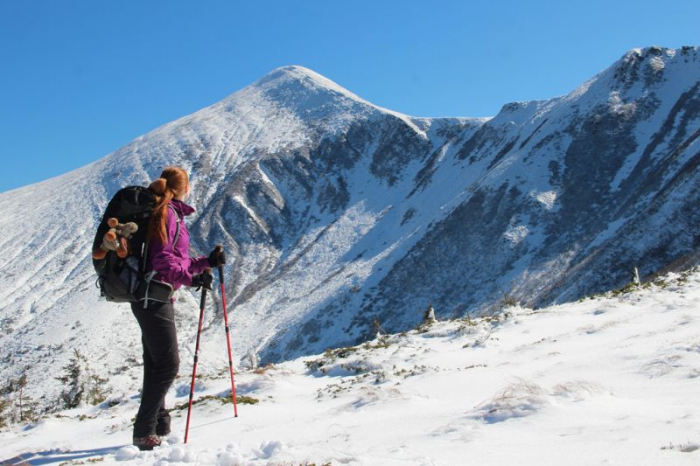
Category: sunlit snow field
<point>609,380</point>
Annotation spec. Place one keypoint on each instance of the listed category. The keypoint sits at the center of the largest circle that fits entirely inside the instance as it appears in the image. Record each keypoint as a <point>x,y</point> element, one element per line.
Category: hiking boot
<point>147,443</point>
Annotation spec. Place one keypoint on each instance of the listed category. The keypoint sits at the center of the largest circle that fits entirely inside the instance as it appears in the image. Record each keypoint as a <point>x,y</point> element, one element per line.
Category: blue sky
<point>79,79</point>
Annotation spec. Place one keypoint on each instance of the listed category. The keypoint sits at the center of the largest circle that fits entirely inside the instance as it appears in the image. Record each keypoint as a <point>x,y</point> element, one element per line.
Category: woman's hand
<point>217,257</point>
<point>204,279</point>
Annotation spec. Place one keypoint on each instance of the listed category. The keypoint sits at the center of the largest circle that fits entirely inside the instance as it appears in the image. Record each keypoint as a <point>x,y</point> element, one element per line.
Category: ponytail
<point>172,181</point>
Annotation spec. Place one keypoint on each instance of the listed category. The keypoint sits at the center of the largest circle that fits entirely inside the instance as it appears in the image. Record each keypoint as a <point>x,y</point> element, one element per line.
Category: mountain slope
<point>337,213</point>
<point>575,192</point>
<point>612,380</point>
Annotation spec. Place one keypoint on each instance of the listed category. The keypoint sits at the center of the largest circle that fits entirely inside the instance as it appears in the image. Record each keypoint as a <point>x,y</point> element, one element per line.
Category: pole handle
<point>220,248</point>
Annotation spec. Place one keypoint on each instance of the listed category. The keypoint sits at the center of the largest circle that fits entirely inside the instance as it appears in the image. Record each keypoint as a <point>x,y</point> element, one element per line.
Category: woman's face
<point>184,195</point>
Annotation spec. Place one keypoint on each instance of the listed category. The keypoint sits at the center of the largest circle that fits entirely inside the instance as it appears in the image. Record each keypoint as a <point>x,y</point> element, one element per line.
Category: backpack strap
<point>177,225</point>
<point>147,277</point>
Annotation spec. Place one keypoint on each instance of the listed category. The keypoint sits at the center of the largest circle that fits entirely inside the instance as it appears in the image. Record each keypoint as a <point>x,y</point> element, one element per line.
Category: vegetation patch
<point>329,357</point>
<point>81,384</point>
<point>688,447</point>
<point>241,400</point>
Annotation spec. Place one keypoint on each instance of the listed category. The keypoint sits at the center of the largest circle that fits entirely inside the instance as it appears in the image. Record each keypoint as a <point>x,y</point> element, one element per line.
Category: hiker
<point>168,263</point>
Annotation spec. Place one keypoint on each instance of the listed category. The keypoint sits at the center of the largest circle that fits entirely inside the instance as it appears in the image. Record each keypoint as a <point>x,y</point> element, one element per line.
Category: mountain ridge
<point>337,215</point>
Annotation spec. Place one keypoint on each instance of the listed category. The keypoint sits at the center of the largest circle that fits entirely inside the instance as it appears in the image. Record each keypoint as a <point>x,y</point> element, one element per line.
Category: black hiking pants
<point>160,364</point>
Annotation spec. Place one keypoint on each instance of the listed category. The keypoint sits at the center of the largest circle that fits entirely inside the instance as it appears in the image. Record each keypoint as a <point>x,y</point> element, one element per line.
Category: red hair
<point>173,182</point>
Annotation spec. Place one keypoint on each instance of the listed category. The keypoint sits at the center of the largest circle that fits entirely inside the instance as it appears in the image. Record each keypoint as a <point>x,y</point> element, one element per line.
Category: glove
<point>217,257</point>
<point>204,279</point>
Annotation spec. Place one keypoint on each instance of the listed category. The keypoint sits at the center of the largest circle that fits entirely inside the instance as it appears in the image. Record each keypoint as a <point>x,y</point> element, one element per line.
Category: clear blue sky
<point>79,79</point>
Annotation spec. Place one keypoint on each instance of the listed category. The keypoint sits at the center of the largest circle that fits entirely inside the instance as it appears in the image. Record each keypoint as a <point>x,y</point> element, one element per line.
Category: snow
<point>618,107</point>
<point>657,64</point>
<point>548,199</point>
<point>515,234</point>
<point>608,380</point>
<point>451,401</point>
<point>251,212</point>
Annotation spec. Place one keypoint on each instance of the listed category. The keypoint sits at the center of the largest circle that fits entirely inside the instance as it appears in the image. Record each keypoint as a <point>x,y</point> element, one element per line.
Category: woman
<point>169,261</point>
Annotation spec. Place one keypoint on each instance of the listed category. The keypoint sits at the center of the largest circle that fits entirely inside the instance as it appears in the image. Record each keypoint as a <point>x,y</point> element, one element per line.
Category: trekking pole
<point>196,356</point>
<point>228,339</point>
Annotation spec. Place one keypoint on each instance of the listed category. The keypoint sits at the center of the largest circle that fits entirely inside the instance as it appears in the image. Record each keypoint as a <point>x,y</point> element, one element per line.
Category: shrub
<point>82,385</point>
<point>509,301</point>
<point>16,405</point>
<point>3,407</point>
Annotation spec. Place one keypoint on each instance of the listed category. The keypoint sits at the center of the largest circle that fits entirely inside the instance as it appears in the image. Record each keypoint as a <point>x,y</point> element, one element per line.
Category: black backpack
<point>119,278</point>
<point>126,280</point>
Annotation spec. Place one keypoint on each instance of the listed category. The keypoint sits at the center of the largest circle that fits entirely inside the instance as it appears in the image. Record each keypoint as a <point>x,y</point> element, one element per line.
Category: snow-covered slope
<point>609,380</point>
<point>337,213</point>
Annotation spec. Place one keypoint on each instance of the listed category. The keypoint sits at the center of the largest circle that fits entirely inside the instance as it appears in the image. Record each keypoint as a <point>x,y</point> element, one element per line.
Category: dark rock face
<point>398,145</point>
<point>447,267</point>
<point>624,170</point>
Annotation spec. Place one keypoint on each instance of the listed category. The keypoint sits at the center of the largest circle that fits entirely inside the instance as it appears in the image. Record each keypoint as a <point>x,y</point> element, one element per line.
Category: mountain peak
<point>300,75</point>
<point>295,72</point>
<point>296,83</point>
<point>301,92</point>
<point>649,63</point>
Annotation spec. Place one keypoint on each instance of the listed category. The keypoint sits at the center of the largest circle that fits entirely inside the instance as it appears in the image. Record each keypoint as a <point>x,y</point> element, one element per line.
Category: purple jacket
<point>172,262</point>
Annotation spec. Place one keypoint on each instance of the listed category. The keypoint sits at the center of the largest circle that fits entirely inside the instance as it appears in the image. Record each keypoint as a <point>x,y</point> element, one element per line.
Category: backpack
<point>125,279</point>
<point>119,278</point>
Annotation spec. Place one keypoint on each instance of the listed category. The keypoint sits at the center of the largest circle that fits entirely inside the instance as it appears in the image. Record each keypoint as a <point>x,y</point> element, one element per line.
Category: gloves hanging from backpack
<point>203,280</point>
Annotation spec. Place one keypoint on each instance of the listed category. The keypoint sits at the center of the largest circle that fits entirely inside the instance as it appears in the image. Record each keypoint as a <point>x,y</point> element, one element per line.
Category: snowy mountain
<point>610,380</point>
<point>338,214</point>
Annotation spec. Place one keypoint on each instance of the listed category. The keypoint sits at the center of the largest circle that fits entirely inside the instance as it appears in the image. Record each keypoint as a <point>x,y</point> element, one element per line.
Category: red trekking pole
<point>196,356</point>
<point>228,339</point>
